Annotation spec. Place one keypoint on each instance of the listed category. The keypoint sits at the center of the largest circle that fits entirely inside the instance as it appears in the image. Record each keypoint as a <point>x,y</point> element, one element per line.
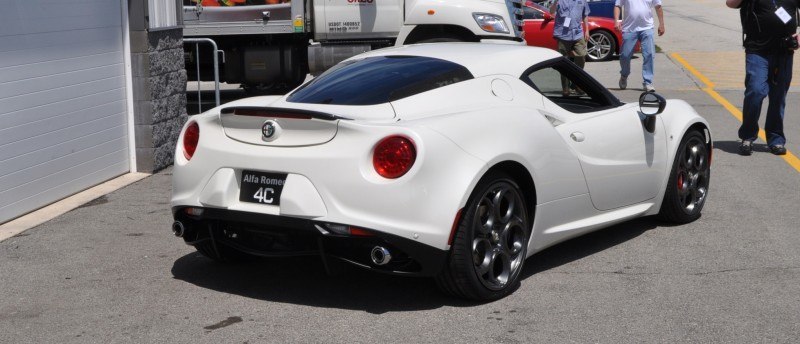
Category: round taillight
<point>190,138</point>
<point>394,156</point>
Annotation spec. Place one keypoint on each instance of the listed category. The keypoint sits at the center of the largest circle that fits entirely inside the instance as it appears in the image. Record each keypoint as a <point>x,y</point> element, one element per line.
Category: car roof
<point>480,59</point>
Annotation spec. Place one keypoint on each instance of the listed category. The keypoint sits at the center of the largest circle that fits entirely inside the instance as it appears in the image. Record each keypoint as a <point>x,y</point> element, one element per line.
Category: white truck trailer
<point>270,45</point>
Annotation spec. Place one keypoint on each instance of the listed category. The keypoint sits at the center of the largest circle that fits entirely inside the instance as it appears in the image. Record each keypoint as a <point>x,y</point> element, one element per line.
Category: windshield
<point>380,79</point>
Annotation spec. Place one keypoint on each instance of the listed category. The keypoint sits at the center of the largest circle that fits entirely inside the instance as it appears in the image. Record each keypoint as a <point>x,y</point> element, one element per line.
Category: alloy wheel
<point>692,175</point>
<point>498,243</point>
<point>599,46</point>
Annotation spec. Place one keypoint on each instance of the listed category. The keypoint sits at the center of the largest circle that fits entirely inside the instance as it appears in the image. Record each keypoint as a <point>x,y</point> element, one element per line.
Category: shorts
<point>572,48</point>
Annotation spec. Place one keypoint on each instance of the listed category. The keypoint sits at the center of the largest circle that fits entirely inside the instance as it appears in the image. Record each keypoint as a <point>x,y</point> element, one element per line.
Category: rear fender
<point>519,136</point>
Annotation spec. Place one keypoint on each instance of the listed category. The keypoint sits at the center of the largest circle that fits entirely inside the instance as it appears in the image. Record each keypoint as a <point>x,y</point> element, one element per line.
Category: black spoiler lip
<point>310,113</point>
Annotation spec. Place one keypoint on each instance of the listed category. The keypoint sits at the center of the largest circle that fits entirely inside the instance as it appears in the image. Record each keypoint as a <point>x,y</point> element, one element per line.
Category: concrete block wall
<point>159,90</point>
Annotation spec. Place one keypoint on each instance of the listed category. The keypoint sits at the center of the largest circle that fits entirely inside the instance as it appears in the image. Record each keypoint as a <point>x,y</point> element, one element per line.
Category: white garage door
<point>63,118</point>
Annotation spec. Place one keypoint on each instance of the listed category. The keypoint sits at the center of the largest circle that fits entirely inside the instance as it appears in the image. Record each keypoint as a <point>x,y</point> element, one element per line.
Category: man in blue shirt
<point>571,30</point>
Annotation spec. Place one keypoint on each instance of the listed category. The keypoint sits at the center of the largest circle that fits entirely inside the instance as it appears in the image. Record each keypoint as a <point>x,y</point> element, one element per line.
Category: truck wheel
<point>490,243</point>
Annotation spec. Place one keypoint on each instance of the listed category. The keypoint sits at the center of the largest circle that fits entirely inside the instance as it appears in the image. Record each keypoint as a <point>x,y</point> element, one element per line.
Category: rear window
<point>378,80</point>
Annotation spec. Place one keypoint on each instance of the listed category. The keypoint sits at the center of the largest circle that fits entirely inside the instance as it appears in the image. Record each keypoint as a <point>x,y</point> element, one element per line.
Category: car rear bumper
<point>273,235</point>
<point>334,182</point>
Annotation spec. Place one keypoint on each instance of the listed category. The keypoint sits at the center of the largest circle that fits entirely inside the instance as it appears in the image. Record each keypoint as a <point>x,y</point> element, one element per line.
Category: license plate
<point>262,187</point>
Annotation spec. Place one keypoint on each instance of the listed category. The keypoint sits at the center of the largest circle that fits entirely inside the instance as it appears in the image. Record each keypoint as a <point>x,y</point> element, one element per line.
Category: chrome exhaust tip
<point>380,255</point>
<point>178,229</point>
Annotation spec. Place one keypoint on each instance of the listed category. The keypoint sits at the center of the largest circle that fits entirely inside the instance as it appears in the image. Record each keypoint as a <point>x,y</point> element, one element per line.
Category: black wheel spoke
<point>490,271</point>
<point>512,237</point>
<point>485,216</point>
<point>700,158</point>
<point>701,195</point>
<point>691,157</point>
<point>504,204</point>
<point>481,255</point>
<point>684,161</point>
<point>683,183</point>
<point>484,268</point>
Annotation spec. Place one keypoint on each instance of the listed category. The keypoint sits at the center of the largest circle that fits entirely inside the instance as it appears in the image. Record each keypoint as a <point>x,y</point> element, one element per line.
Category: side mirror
<point>651,104</point>
<point>548,16</point>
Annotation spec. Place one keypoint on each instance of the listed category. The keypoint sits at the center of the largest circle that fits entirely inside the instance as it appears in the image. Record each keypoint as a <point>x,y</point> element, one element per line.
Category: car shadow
<point>589,244</point>
<point>302,280</point>
<point>733,146</point>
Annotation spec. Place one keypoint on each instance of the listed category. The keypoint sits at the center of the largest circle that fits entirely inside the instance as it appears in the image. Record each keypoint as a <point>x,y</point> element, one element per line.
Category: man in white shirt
<point>637,26</point>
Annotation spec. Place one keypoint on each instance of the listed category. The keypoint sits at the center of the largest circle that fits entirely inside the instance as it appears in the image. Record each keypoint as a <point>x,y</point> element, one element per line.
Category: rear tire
<point>687,188</point>
<point>490,244</point>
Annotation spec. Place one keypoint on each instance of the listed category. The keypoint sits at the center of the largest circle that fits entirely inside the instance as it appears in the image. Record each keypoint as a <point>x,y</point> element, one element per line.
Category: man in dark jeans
<point>769,28</point>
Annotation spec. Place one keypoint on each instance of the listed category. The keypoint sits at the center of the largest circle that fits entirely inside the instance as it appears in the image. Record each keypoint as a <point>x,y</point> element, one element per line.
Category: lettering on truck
<point>337,26</point>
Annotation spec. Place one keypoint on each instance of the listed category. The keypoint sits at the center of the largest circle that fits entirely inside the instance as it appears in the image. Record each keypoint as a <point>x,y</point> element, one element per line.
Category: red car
<point>604,41</point>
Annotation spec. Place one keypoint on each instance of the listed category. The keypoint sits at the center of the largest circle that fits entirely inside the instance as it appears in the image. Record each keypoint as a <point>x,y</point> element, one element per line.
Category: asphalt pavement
<point>111,271</point>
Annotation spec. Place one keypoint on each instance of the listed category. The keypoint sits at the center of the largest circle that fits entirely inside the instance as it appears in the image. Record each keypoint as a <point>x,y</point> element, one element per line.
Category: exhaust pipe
<point>178,229</point>
<point>380,255</point>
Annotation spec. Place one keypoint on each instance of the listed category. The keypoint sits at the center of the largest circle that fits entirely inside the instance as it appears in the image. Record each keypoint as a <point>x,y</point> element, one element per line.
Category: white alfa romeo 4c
<point>452,160</point>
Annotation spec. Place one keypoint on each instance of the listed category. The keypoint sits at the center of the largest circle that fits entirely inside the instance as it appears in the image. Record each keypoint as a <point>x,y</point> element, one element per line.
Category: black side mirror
<point>651,104</point>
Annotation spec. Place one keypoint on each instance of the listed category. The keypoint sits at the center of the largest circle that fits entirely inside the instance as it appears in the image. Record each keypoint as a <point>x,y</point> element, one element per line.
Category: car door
<point>624,164</point>
<point>538,26</point>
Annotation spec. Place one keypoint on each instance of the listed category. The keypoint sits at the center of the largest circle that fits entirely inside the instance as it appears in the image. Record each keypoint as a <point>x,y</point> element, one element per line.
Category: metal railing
<point>216,51</point>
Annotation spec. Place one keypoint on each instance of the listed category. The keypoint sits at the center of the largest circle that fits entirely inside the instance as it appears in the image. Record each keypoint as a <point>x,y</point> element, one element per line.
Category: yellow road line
<point>694,71</point>
<point>790,158</point>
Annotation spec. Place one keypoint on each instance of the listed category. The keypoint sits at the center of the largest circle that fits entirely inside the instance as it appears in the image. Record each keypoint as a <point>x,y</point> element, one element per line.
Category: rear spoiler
<point>262,111</point>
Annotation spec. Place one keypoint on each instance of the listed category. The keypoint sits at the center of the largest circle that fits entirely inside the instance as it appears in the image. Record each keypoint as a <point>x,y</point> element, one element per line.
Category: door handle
<point>577,136</point>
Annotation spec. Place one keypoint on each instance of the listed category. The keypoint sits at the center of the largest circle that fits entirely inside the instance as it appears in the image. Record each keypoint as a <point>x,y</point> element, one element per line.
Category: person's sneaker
<point>746,148</point>
<point>649,88</point>
<point>623,82</point>
<point>778,149</point>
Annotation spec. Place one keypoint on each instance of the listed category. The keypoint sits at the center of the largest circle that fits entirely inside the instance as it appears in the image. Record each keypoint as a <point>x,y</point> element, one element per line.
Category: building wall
<point>159,93</point>
<point>63,105</point>
<point>159,88</point>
